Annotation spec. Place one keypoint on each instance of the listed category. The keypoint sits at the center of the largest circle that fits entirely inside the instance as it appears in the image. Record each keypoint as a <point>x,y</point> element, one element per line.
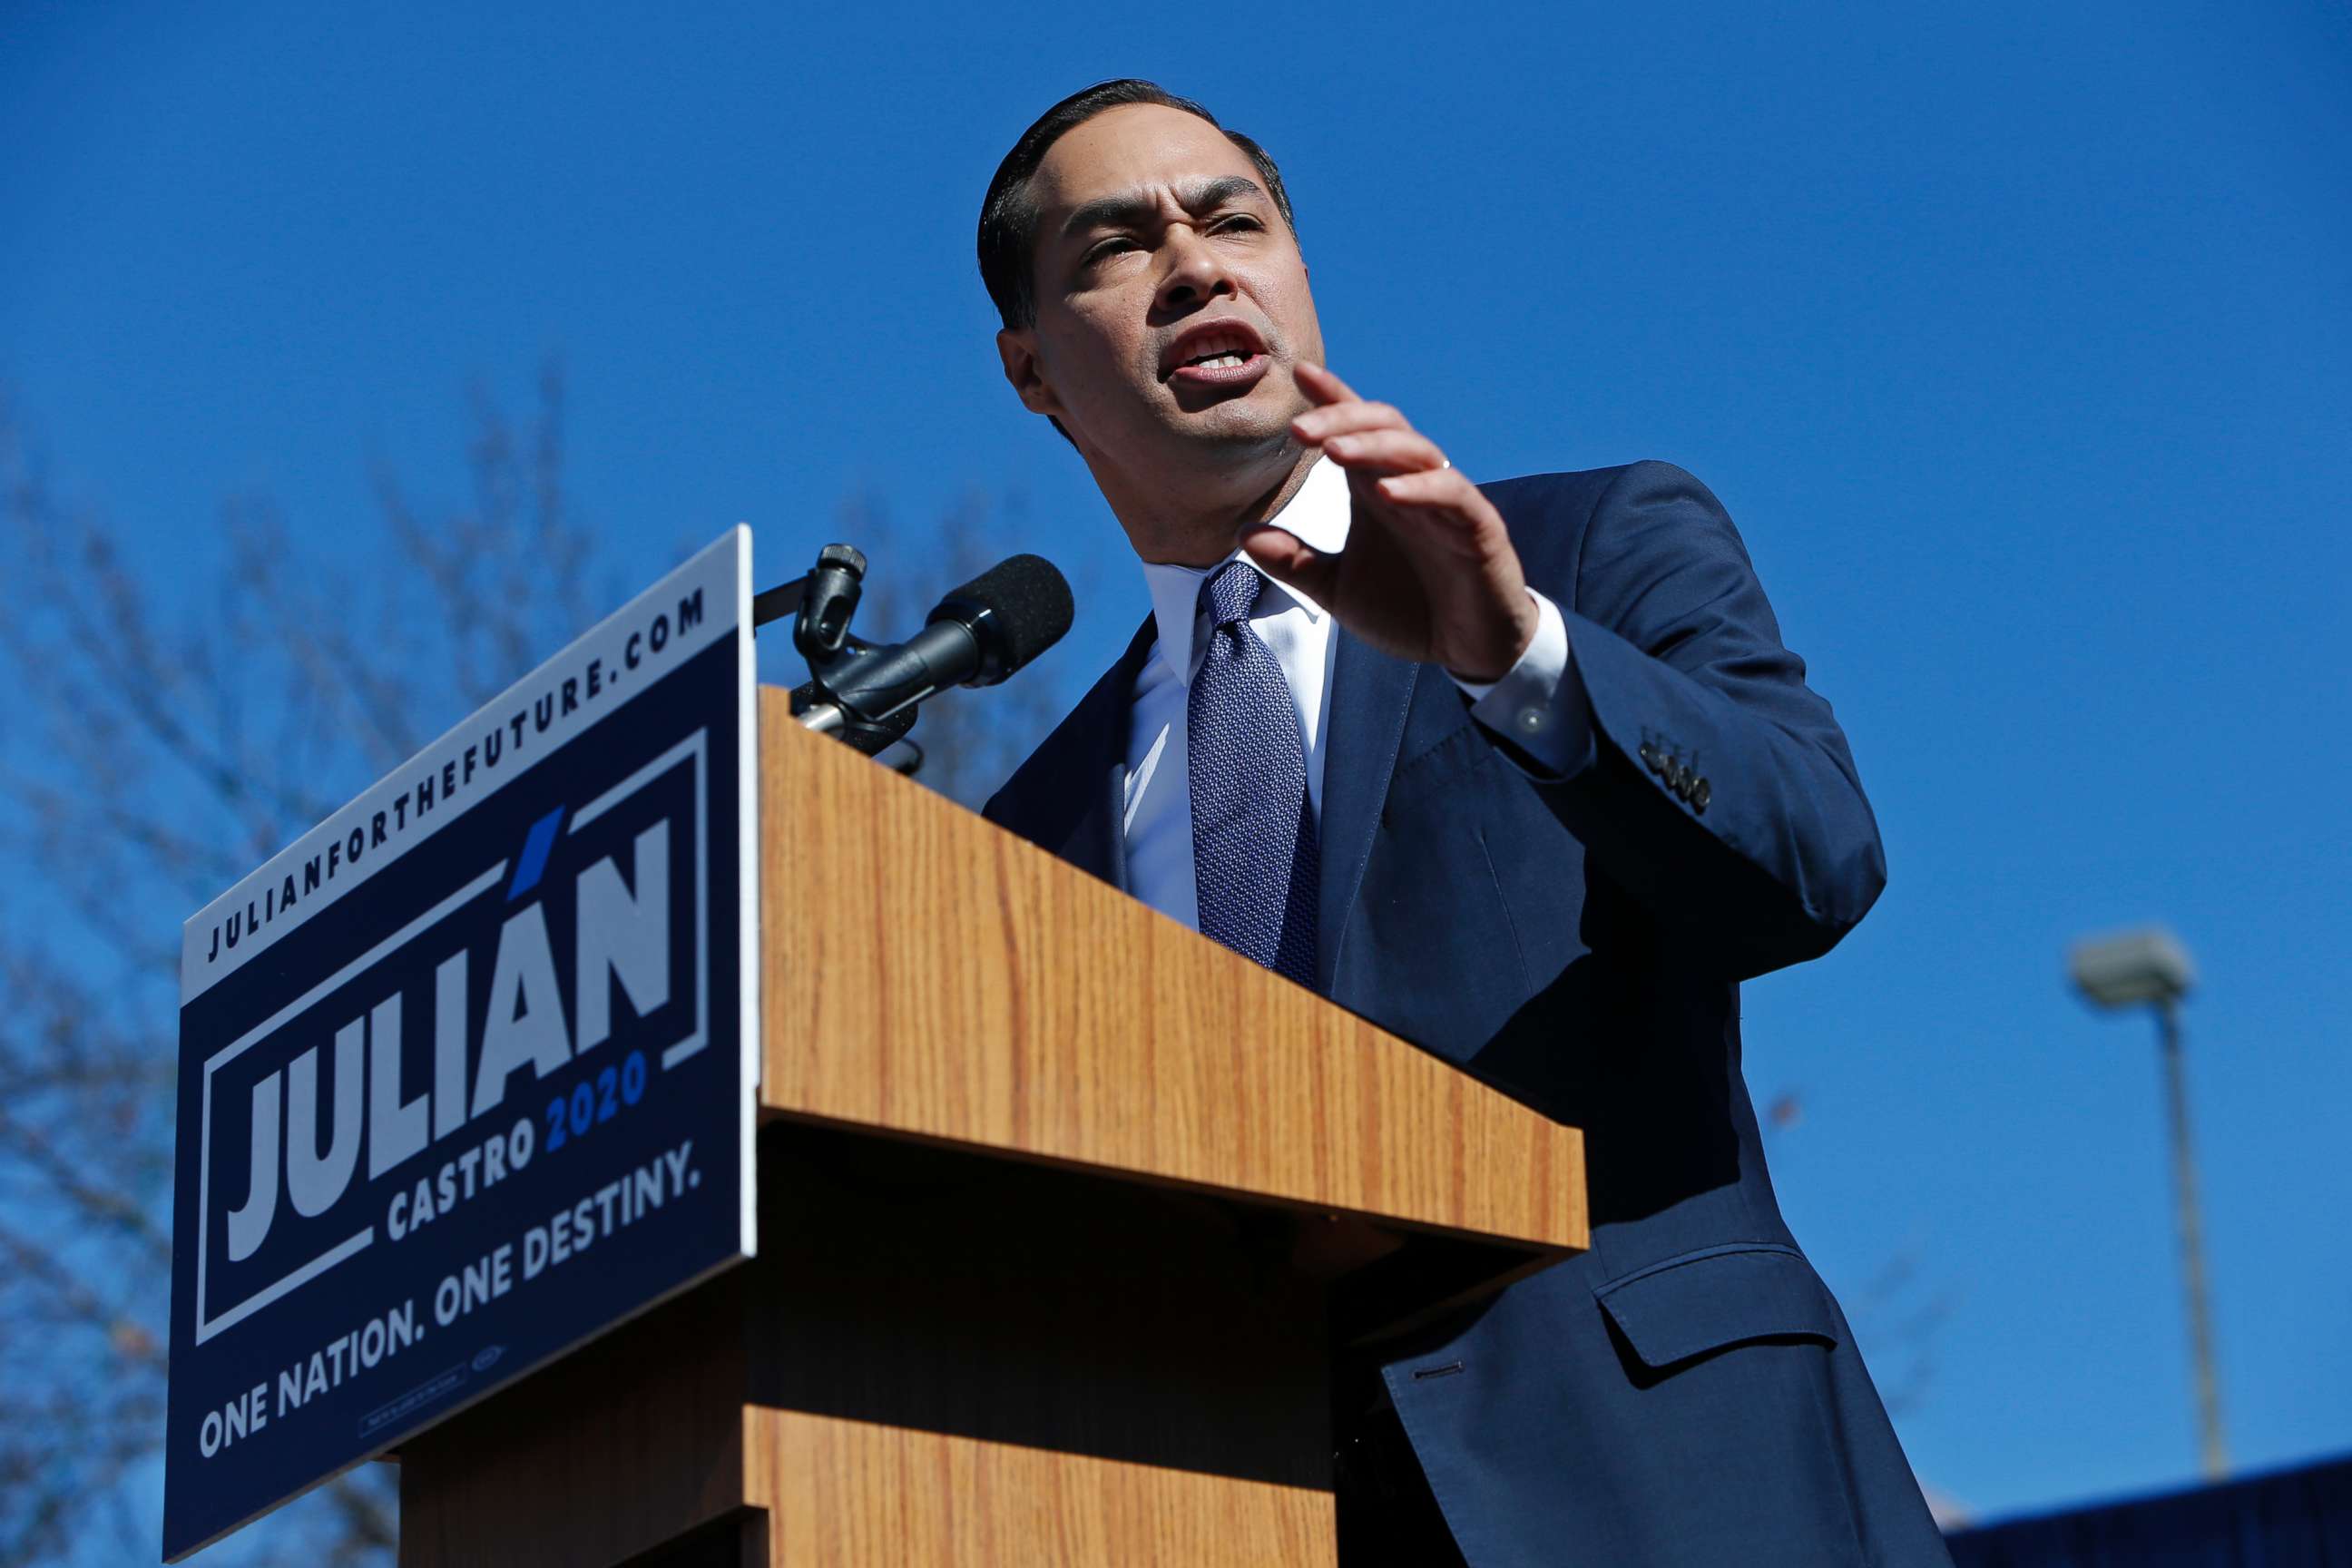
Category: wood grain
<point>1076,1304</point>
<point>975,989</point>
<point>615,1450</point>
<point>845,1494</point>
<point>937,1357</point>
<point>924,1286</point>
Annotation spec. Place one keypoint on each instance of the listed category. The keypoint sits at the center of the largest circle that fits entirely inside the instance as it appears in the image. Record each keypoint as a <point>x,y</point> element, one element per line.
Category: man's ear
<point>1017,347</point>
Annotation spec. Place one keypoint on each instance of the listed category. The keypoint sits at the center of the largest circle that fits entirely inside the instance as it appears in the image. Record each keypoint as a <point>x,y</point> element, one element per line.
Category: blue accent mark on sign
<point>535,850</point>
<point>474,1295</point>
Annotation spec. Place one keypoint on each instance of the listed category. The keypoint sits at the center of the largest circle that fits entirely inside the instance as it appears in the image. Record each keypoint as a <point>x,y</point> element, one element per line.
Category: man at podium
<point>1521,772</point>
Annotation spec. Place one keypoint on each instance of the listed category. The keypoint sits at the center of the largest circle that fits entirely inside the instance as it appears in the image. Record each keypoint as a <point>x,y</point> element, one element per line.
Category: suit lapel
<point>1085,823</point>
<point>1098,840</point>
<point>1371,692</point>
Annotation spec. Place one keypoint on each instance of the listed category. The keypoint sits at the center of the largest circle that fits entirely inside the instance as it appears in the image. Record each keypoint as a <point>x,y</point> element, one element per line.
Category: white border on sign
<point>694,747</point>
<point>748,849</point>
<point>608,646</point>
<point>613,629</point>
<point>207,1327</point>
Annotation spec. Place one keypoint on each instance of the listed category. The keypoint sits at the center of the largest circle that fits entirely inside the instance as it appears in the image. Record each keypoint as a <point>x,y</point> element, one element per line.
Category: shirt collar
<point>1319,514</point>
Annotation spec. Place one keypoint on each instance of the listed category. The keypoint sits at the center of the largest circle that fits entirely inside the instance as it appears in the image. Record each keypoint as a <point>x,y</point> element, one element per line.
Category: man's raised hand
<point>1429,572</point>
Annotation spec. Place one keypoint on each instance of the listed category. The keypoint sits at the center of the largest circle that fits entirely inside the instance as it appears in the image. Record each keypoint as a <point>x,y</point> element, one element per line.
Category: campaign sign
<point>466,1074</point>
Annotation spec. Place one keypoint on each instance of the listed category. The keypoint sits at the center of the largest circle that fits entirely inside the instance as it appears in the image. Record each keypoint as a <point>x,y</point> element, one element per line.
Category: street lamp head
<point>2127,968</point>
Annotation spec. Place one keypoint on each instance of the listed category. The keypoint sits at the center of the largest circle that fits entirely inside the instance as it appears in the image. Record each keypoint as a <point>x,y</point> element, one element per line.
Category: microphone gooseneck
<point>978,635</point>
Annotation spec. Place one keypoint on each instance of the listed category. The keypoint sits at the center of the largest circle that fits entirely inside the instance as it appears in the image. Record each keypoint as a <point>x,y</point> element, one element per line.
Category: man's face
<point>1172,300</point>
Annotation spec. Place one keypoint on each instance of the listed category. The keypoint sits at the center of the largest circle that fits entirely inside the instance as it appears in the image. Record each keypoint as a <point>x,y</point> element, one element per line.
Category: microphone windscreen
<point>1029,605</point>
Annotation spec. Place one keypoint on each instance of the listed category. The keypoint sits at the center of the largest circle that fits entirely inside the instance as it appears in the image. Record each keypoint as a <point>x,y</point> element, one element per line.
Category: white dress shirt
<point>1531,703</point>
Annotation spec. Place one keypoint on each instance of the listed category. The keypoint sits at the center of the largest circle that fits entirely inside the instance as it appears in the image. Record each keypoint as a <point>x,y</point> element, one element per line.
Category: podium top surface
<point>927,974</point>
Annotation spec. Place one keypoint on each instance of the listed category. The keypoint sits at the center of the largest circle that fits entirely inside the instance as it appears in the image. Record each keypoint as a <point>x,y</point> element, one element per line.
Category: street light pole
<point>2212,1452</point>
<point>2124,970</point>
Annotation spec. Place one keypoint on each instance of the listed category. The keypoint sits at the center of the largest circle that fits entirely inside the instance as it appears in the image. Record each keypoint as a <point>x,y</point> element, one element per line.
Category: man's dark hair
<point>1008,218</point>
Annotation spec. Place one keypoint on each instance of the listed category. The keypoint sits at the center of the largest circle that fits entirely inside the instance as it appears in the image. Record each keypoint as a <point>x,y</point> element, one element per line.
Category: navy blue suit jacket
<point>1687,1391</point>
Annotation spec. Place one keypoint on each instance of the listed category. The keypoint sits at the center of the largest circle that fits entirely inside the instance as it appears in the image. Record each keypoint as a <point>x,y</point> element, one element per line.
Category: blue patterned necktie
<point>1253,857</point>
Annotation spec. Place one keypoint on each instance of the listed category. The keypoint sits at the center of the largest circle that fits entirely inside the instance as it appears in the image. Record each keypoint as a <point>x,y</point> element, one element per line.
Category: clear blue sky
<point>2017,338</point>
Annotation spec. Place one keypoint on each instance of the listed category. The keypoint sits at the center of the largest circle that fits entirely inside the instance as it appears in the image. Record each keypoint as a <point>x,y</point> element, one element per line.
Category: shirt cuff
<point>1535,706</point>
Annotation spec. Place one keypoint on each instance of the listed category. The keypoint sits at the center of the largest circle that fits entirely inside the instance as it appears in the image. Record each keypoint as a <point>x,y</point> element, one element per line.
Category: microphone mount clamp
<point>823,604</point>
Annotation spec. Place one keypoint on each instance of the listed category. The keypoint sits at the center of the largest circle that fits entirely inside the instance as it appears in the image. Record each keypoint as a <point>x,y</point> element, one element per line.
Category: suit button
<point>1649,755</point>
<point>1683,783</point>
<point>1699,796</point>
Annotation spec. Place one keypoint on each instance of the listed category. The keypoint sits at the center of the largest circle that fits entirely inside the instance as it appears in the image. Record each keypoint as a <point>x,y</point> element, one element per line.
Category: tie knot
<point>1230,593</point>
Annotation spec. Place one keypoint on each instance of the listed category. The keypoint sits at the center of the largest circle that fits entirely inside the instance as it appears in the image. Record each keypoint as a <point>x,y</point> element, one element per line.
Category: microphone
<point>979,634</point>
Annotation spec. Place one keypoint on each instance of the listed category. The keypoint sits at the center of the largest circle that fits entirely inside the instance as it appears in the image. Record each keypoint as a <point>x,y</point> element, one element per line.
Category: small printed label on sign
<point>467,1071</point>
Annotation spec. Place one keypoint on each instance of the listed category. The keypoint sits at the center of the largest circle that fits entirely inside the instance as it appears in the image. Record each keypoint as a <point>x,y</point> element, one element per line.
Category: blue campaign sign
<point>467,1072</point>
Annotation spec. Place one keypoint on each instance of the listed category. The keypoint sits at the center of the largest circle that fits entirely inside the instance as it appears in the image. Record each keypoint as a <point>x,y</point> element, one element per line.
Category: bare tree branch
<point>160,739</point>
<point>161,736</point>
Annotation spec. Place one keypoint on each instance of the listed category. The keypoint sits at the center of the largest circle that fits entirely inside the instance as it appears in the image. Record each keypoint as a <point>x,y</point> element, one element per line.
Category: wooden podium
<point>1064,1210</point>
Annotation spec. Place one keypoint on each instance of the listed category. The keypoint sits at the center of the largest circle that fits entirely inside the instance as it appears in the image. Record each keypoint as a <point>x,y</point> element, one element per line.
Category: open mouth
<point>1216,353</point>
<point>1218,359</point>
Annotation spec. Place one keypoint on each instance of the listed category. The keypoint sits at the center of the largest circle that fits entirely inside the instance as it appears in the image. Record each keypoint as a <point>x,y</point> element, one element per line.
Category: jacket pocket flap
<point>1702,1301</point>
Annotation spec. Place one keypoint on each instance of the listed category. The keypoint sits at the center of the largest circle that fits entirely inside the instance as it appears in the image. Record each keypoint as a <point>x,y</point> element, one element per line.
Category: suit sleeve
<point>1715,786</point>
